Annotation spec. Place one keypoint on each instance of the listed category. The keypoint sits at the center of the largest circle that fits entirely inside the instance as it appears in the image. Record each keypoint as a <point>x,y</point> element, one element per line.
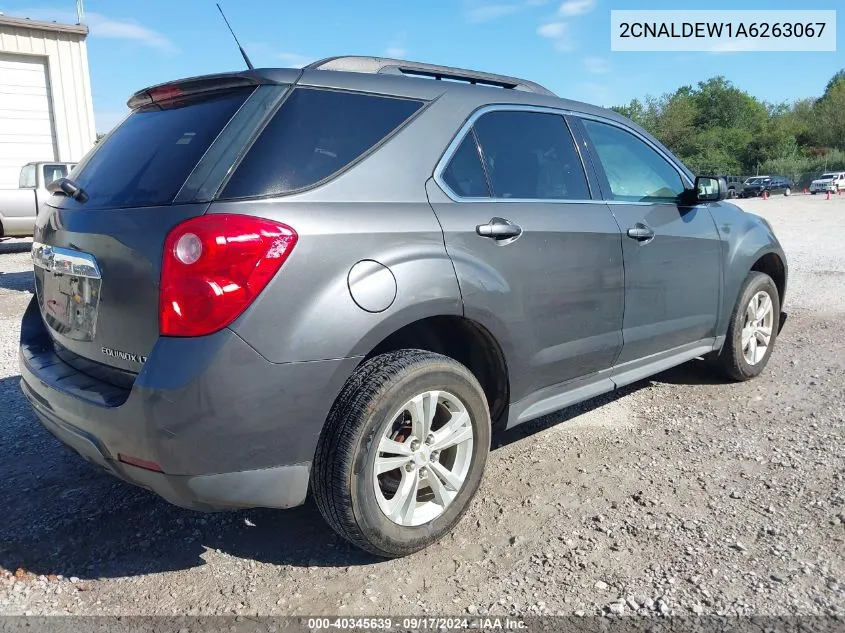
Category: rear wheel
<point>787,191</point>
<point>403,452</point>
<point>753,329</point>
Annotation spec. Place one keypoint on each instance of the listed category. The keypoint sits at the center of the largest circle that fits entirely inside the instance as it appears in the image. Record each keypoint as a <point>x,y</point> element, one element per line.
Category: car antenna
<point>243,52</point>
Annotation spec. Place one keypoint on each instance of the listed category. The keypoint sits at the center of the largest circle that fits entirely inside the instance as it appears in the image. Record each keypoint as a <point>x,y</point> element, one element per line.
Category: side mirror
<point>710,188</point>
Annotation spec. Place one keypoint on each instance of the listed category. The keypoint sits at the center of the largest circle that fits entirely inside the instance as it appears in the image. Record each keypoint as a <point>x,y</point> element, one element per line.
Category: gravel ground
<point>679,495</point>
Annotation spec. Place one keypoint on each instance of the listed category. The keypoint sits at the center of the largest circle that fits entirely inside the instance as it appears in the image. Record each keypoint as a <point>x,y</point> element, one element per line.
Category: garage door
<point>26,127</point>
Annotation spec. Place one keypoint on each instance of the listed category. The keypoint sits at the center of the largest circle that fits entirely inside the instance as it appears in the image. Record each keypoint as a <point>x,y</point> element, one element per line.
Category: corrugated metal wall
<point>69,83</point>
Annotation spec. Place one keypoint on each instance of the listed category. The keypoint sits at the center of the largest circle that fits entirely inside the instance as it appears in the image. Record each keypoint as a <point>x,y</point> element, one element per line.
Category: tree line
<point>716,128</point>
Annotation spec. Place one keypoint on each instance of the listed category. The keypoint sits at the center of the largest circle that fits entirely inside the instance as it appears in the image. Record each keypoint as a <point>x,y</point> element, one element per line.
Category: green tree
<point>830,117</point>
<point>838,78</point>
<point>718,128</point>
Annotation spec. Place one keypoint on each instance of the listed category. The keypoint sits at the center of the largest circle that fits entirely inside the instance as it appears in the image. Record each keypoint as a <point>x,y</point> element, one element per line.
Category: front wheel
<point>787,191</point>
<point>402,452</point>
<point>753,329</point>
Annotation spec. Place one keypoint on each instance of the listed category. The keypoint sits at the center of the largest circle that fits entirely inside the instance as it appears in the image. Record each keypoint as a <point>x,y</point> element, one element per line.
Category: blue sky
<point>563,44</point>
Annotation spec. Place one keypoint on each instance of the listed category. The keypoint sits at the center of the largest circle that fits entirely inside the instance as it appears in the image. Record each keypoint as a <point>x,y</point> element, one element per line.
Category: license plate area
<point>67,283</point>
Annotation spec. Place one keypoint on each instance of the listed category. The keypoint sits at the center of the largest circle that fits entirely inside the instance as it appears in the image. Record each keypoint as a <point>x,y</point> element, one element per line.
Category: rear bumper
<point>227,428</point>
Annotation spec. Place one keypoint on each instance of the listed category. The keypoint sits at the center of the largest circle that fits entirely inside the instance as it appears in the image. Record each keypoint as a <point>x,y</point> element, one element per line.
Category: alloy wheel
<point>757,329</point>
<point>424,455</point>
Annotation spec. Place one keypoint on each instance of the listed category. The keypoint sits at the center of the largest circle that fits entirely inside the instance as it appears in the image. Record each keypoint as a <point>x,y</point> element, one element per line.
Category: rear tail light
<point>214,266</point>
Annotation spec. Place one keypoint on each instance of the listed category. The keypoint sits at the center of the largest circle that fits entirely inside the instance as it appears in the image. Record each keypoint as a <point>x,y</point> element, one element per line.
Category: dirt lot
<point>681,494</point>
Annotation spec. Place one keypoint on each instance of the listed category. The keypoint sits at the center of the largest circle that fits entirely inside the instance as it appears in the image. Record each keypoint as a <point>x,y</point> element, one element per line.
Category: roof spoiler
<point>192,86</point>
<point>385,65</point>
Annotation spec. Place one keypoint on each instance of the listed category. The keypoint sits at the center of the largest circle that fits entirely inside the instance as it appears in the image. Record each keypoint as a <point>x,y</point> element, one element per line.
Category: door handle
<point>641,232</point>
<point>499,229</point>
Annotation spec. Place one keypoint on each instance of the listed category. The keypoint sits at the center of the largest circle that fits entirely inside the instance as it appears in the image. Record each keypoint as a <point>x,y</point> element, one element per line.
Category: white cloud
<point>100,25</point>
<point>572,8</point>
<point>294,60</point>
<point>596,65</point>
<point>558,34</point>
<point>263,54</point>
<point>395,51</point>
<point>487,12</point>
<point>103,26</point>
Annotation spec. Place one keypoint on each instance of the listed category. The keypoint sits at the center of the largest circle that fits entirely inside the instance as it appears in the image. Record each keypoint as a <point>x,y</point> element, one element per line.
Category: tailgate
<point>97,257</point>
<point>97,279</point>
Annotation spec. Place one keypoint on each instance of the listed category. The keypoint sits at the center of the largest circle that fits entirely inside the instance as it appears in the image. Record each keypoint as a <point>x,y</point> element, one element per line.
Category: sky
<point>562,44</point>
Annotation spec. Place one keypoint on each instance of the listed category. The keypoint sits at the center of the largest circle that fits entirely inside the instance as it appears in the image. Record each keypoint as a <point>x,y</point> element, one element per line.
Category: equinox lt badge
<point>116,353</point>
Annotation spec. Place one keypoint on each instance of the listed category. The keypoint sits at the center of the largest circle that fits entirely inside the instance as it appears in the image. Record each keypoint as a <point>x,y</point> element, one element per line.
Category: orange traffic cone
<point>765,195</point>
<point>828,196</point>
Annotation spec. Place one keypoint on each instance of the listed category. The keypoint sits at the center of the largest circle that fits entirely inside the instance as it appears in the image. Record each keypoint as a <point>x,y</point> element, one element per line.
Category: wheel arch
<point>773,265</point>
<point>463,340</point>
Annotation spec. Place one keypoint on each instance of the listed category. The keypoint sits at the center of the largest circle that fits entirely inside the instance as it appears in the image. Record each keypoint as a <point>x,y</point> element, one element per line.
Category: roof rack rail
<point>385,65</point>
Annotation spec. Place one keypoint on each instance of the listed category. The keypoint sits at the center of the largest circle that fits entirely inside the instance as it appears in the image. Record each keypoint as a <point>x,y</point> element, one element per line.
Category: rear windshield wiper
<point>69,188</point>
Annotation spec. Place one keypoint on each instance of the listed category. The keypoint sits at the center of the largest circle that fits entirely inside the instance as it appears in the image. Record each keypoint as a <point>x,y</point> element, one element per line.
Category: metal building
<point>46,109</point>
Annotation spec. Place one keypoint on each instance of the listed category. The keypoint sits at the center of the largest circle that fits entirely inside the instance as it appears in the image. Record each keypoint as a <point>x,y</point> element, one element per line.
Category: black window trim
<point>469,127</point>
<point>372,150</point>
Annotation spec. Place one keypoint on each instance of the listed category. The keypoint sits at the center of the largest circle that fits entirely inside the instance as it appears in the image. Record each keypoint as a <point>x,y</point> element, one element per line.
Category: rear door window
<point>531,156</point>
<point>146,160</point>
<point>315,134</point>
<point>465,175</point>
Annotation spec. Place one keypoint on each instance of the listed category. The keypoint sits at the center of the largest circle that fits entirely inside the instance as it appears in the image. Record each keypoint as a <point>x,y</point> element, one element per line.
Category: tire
<point>787,191</point>
<point>732,361</point>
<point>347,489</point>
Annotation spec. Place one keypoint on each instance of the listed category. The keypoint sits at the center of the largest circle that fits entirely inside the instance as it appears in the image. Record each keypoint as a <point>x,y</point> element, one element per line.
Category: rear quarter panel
<point>376,210</point>
<point>307,312</point>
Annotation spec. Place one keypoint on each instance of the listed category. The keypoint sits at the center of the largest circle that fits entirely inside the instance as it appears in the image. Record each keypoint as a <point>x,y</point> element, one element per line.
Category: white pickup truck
<point>18,207</point>
<point>831,181</point>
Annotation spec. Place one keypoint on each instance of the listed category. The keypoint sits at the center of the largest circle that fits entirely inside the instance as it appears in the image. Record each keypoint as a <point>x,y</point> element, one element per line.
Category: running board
<point>559,397</point>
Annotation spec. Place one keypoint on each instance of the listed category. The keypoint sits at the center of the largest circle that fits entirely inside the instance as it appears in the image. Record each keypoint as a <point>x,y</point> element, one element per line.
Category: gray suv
<point>342,279</point>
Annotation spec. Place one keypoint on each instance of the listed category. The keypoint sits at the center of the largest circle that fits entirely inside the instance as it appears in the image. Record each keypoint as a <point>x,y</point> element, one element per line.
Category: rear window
<point>315,134</point>
<point>146,160</point>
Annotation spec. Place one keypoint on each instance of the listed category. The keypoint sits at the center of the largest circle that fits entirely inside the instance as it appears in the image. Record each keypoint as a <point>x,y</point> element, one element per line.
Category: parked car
<point>772,184</point>
<point>18,207</point>
<point>344,278</point>
<point>734,185</point>
<point>831,181</point>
